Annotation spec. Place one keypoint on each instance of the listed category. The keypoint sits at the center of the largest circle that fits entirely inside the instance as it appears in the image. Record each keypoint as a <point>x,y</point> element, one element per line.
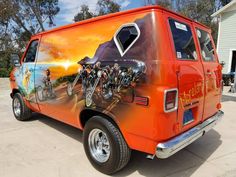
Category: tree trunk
<point>20,23</point>
<point>37,14</point>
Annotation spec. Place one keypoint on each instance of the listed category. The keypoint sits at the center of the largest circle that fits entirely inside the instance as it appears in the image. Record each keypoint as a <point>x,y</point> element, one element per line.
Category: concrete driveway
<point>44,147</point>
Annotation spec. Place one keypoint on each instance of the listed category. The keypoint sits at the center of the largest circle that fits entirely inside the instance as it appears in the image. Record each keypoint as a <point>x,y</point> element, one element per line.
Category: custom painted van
<point>146,79</point>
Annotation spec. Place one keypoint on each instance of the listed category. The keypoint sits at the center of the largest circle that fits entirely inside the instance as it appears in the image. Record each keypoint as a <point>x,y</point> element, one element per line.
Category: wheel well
<point>14,91</point>
<point>86,114</point>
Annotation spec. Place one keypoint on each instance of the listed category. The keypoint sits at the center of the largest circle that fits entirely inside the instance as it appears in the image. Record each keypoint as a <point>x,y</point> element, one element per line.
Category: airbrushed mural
<point>105,82</point>
<point>94,68</point>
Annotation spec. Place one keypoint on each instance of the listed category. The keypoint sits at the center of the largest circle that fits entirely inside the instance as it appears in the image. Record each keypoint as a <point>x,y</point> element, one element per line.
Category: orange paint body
<point>143,126</point>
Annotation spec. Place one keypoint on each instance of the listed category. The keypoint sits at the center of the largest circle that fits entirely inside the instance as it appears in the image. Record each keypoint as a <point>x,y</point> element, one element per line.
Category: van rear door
<point>212,71</point>
<point>189,71</point>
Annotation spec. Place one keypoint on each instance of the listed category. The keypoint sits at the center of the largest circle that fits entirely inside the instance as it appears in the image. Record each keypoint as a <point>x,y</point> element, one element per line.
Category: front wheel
<point>104,145</point>
<point>20,110</point>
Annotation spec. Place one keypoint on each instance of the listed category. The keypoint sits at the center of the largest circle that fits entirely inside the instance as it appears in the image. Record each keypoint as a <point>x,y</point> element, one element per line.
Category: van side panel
<point>119,65</point>
<point>70,58</point>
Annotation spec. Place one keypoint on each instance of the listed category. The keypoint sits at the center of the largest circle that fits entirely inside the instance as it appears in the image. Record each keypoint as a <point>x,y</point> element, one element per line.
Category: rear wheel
<point>104,145</point>
<point>20,110</point>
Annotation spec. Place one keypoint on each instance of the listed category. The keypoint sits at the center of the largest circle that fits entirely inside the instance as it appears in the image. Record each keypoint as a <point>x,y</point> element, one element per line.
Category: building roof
<point>229,7</point>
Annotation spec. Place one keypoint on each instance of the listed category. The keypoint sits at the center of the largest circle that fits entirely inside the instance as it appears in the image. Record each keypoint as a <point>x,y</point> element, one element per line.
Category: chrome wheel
<point>17,107</point>
<point>99,145</point>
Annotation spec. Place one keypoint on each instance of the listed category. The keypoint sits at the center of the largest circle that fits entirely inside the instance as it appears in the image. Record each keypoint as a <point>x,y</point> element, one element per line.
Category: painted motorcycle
<point>105,81</point>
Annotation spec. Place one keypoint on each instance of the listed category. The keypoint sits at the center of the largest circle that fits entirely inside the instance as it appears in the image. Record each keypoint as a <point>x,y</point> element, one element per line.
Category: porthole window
<point>126,36</point>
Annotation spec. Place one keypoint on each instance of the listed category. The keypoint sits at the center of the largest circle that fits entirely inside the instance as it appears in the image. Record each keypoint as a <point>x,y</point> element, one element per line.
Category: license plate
<point>188,117</point>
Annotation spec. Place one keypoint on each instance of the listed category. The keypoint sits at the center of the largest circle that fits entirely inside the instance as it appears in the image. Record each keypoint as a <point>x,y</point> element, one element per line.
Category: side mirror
<point>15,59</point>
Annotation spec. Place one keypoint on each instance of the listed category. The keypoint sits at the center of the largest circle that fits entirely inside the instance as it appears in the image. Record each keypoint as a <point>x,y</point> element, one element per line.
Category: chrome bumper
<point>170,147</point>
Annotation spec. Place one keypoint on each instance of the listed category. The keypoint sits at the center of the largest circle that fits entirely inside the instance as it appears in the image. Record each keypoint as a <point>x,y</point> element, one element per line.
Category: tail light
<point>171,100</point>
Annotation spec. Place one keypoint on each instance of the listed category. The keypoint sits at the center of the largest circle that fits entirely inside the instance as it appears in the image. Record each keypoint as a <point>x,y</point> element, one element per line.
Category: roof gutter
<point>217,13</point>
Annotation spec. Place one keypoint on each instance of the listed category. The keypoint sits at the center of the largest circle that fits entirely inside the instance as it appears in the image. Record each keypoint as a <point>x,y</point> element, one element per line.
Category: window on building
<point>183,40</point>
<point>233,63</point>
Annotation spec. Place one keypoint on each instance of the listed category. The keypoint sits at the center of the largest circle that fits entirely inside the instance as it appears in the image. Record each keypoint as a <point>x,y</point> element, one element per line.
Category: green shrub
<point>4,72</point>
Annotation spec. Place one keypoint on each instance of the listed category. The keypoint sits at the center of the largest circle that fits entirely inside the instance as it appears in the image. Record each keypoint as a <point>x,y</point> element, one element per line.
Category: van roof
<point>146,8</point>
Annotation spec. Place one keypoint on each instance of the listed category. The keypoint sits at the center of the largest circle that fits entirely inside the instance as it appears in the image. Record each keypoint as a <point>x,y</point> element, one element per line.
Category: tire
<point>120,153</point>
<point>40,92</point>
<point>69,90</point>
<point>20,110</point>
<point>89,97</point>
<point>51,93</point>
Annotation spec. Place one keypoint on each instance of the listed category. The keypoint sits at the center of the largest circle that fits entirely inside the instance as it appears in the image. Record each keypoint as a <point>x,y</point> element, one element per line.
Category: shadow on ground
<point>61,127</point>
<point>184,163</point>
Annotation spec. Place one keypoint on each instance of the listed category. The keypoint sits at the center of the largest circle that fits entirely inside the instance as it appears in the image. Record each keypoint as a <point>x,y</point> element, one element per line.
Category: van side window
<point>183,40</point>
<point>31,52</point>
<point>207,50</point>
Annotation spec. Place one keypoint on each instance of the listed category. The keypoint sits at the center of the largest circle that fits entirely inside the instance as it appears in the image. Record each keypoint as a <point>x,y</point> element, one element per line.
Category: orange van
<point>146,79</point>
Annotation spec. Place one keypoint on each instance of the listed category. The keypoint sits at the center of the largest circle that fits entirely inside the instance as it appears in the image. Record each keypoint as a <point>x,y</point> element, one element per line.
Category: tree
<point>19,19</point>
<point>29,15</point>
<point>164,3</point>
<point>83,14</point>
<point>103,7</point>
<point>201,11</point>
<point>107,7</point>
<point>23,18</point>
<point>43,10</point>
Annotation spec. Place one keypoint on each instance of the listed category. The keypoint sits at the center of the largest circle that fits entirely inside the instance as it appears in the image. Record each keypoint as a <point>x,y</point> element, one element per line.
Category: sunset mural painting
<point>83,67</point>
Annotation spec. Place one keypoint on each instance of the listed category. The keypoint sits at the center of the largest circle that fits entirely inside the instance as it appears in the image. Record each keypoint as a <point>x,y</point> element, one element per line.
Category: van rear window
<point>183,40</point>
<point>206,44</point>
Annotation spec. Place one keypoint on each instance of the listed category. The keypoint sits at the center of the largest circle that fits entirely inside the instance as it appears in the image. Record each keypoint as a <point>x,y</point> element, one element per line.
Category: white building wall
<point>227,38</point>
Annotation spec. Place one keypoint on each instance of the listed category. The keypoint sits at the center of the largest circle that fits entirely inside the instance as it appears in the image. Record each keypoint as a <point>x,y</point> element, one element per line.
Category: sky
<point>69,8</point>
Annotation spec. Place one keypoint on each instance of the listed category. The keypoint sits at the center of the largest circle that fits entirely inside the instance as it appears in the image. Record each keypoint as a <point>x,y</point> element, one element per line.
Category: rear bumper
<point>170,147</point>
